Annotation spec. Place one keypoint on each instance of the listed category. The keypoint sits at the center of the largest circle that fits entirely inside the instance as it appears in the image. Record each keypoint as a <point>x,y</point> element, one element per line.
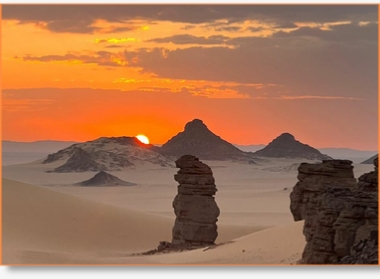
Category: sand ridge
<point>43,226</point>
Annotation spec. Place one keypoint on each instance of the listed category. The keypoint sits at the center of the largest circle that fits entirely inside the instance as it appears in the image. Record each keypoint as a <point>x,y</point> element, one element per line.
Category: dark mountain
<point>199,141</point>
<point>104,179</point>
<point>286,146</point>
<point>370,160</point>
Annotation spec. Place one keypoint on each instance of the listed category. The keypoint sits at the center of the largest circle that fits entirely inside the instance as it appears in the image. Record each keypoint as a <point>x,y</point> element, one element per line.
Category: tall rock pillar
<point>194,206</point>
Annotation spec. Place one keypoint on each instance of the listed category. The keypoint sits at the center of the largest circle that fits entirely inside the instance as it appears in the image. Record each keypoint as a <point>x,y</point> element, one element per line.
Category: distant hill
<point>198,140</point>
<point>104,179</point>
<point>370,160</point>
<point>250,148</point>
<point>14,152</point>
<point>356,156</point>
<point>347,152</point>
<point>286,146</point>
<point>107,154</point>
<point>43,146</point>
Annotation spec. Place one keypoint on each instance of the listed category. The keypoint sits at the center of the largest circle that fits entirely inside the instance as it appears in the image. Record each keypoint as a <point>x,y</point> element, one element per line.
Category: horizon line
<point>235,144</point>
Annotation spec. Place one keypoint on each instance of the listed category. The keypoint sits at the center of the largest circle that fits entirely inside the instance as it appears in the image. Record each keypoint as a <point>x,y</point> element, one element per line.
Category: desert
<point>50,218</point>
<point>189,134</point>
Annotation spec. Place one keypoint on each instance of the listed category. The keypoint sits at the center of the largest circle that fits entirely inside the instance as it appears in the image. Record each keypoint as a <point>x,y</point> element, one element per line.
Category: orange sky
<point>79,74</point>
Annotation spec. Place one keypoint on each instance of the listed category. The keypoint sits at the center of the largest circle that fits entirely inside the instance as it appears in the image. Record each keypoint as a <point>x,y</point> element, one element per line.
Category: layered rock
<point>104,179</point>
<point>339,212</point>
<point>198,140</point>
<point>313,179</point>
<point>286,146</point>
<point>194,206</point>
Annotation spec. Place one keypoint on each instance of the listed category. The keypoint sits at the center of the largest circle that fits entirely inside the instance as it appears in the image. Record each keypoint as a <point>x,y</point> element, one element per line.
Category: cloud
<point>66,26</point>
<point>228,28</point>
<point>79,26</point>
<point>13,105</point>
<point>319,97</point>
<point>347,34</point>
<point>209,89</point>
<point>338,62</point>
<point>190,39</point>
<point>114,46</point>
<point>102,58</point>
<point>255,29</point>
<point>122,29</point>
<point>81,18</point>
<point>330,70</point>
<point>286,25</point>
<point>115,40</point>
<point>340,33</point>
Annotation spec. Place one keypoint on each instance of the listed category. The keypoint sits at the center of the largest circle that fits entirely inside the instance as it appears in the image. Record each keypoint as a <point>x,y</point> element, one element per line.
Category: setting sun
<point>143,139</point>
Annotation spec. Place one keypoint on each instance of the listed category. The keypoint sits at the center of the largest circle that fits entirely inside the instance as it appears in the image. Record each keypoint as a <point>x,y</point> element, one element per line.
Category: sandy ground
<point>47,220</point>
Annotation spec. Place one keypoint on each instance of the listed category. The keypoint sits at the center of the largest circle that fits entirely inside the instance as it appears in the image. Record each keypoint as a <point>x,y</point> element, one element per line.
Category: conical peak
<point>102,174</point>
<point>286,136</point>
<point>196,124</point>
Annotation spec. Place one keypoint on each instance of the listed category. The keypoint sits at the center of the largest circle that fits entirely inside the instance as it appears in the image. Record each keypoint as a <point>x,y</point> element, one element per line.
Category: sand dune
<point>280,245</point>
<point>61,224</point>
<point>42,226</point>
<point>275,246</point>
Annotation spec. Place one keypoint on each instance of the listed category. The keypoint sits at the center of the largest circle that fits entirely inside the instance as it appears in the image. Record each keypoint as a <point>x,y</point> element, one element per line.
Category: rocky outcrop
<point>107,154</point>
<point>194,206</point>
<point>339,212</point>
<point>80,161</point>
<point>286,146</point>
<point>368,182</point>
<point>313,179</point>
<point>198,140</point>
<point>104,179</point>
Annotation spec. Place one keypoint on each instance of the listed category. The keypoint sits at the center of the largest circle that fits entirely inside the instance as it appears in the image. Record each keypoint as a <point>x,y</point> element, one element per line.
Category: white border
<point>186,272</point>
<point>189,2</point>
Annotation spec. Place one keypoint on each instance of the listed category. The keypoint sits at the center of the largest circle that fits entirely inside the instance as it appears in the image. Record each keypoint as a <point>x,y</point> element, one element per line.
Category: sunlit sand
<point>48,220</point>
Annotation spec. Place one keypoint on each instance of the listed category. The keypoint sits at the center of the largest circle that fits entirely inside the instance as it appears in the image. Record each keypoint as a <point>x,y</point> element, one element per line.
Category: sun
<point>143,139</point>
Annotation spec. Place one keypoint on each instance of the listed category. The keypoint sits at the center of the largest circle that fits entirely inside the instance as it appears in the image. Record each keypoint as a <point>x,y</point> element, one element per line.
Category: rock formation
<point>286,146</point>
<point>80,161</point>
<point>194,205</point>
<point>104,179</point>
<point>341,214</point>
<point>368,182</point>
<point>107,154</point>
<point>198,140</point>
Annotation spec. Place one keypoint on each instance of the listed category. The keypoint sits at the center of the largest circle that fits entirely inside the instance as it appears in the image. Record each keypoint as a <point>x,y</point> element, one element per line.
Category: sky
<point>250,72</point>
